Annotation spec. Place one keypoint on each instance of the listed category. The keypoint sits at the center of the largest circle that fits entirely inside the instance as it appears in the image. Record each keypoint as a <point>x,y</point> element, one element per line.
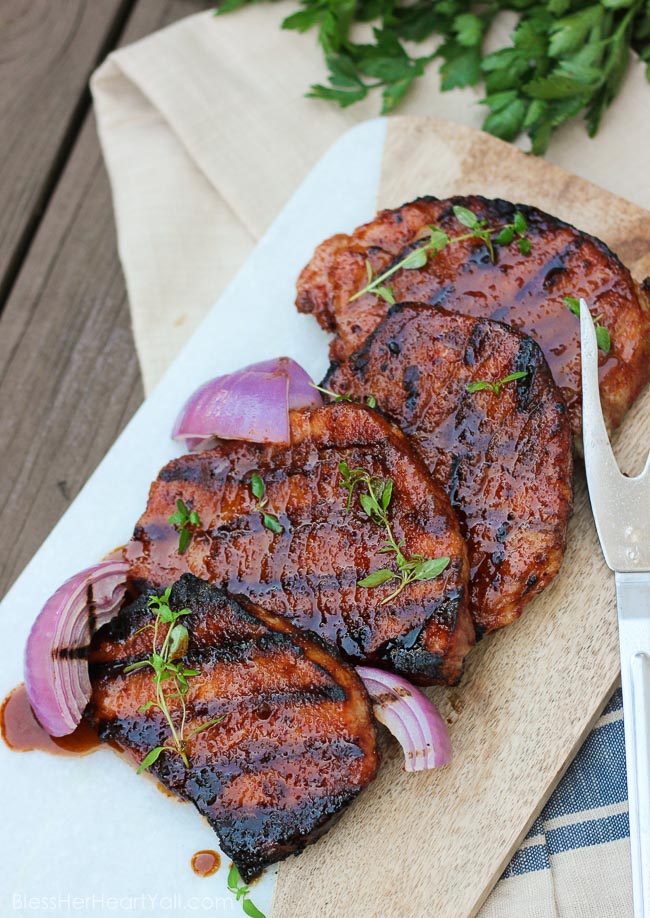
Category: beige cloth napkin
<point>206,133</point>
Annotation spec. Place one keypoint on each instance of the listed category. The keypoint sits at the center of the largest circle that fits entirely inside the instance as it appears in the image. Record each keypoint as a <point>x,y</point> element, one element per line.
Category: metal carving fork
<point>621,508</point>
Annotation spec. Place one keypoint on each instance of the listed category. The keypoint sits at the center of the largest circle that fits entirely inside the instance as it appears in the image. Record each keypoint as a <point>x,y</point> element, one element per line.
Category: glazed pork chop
<point>503,457</point>
<point>296,743</point>
<point>310,570</point>
<point>526,291</point>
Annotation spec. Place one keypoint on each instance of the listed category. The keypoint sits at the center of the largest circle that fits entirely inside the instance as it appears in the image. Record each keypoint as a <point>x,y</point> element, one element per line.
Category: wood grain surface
<point>69,379</point>
<point>48,52</point>
<point>435,844</point>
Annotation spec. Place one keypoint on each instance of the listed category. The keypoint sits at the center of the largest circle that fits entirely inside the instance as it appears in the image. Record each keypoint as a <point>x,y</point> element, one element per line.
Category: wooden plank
<point>48,52</point>
<point>435,844</point>
<point>69,379</point>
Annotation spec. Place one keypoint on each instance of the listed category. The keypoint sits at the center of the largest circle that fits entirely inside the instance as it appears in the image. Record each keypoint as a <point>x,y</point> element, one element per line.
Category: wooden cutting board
<point>435,844</point>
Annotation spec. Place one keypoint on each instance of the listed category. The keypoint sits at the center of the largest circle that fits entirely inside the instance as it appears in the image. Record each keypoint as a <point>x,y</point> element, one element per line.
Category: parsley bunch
<point>564,57</point>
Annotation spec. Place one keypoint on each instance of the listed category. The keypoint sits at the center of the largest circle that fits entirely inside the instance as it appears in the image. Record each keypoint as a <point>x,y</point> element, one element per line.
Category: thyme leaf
<point>258,490</point>
<point>186,522</point>
<point>480,384</point>
<point>603,337</point>
<point>241,892</point>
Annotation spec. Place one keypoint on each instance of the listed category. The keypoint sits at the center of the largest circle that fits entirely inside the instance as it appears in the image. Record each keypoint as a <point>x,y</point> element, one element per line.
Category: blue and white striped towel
<point>575,861</point>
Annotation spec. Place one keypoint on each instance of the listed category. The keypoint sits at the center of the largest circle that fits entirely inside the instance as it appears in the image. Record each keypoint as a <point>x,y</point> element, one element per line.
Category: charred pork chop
<point>526,291</point>
<point>504,457</point>
<point>296,743</point>
<point>310,570</point>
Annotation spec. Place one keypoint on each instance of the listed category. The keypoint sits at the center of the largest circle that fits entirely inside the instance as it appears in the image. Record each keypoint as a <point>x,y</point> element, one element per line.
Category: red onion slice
<point>56,662</point>
<point>250,404</point>
<point>413,720</point>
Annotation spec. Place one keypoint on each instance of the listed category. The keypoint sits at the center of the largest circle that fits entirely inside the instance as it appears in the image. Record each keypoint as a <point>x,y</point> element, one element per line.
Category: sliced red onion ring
<point>56,661</point>
<point>413,720</point>
<point>249,404</point>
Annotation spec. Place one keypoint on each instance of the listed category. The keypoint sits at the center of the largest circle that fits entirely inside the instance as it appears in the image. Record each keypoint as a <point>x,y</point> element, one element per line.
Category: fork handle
<point>633,594</point>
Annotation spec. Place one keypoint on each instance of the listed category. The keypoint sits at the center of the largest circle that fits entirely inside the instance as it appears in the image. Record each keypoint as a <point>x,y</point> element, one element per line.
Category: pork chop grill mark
<point>260,647</point>
<point>407,651</point>
<point>191,472</point>
<point>313,766</point>
<point>553,276</point>
<point>410,381</point>
<point>527,360</point>
<point>250,702</point>
<point>71,653</point>
<point>92,610</point>
<point>248,758</point>
<point>327,434</point>
<point>557,265</point>
<point>590,268</point>
<point>454,479</point>
<point>316,581</point>
<point>537,424</point>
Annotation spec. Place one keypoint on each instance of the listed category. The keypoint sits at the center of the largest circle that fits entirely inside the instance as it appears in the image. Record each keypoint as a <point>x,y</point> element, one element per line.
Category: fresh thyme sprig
<point>603,338</point>
<point>438,239</point>
<point>170,678</point>
<point>495,386</point>
<point>185,521</point>
<point>241,892</point>
<point>371,401</point>
<point>375,499</point>
<point>258,489</point>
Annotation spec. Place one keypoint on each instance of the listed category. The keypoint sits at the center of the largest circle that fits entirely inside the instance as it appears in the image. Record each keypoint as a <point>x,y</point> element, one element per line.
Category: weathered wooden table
<point>69,378</point>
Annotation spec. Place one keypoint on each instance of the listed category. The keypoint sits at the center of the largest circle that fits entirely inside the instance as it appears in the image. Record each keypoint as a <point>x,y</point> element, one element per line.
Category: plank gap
<point>60,158</point>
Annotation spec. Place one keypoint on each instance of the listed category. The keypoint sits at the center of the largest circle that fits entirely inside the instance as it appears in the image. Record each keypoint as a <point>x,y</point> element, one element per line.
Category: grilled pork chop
<point>526,291</point>
<point>311,570</point>
<point>296,744</point>
<point>504,458</point>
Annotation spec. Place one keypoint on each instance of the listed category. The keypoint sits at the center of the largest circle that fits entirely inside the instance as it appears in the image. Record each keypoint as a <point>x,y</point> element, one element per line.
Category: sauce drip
<point>23,733</point>
<point>116,555</point>
<point>205,863</point>
<point>167,793</point>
